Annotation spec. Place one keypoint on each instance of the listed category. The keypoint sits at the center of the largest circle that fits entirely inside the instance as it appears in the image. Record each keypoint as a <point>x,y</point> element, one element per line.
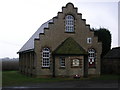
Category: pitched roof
<point>113,54</point>
<point>69,46</point>
<point>29,45</point>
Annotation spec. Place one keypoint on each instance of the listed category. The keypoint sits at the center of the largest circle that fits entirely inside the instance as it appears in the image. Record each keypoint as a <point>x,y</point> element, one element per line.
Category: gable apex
<point>69,5</point>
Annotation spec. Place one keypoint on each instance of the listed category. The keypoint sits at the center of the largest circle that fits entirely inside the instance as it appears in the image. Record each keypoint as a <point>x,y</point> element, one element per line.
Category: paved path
<point>71,84</point>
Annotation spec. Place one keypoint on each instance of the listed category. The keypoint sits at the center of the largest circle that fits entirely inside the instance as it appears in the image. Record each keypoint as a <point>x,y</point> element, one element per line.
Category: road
<point>84,84</point>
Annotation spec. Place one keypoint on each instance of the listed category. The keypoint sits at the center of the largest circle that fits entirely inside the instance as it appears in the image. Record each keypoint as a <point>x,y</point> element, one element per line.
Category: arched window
<point>69,23</point>
<point>45,57</point>
<point>91,58</point>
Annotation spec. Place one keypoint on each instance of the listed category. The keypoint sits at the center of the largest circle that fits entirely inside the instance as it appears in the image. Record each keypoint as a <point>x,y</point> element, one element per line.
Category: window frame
<point>45,57</point>
<point>75,62</point>
<point>69,23</point>
<point>62,62</point>
<point>91,58</point>
<point>79,64</point>
<point>89,40</point>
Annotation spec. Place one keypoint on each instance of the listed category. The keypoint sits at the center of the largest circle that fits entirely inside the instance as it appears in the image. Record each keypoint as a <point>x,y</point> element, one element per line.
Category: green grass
<point>106,77</point>
<point>14,78</point>
<point>10,78</point>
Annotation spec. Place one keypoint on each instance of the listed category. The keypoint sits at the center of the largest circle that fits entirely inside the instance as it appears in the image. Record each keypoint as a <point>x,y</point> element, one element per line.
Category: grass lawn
<point>14,78</point>
<point>106,77</point>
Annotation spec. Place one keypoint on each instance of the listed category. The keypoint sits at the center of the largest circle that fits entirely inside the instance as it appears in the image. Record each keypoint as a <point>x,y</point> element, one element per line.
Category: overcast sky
<point>19,19</point>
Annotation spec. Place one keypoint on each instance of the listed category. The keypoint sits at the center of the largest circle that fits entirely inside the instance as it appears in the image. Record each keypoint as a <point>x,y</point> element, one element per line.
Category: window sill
<point>45,67</point>
<point>69,32</point>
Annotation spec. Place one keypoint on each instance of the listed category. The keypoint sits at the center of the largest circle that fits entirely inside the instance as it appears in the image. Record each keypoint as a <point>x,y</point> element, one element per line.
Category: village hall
<point>63,46</point>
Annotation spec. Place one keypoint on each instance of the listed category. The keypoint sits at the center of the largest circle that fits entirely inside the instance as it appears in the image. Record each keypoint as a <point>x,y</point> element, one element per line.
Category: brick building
<point>62,46</point>
<point>111,61</point>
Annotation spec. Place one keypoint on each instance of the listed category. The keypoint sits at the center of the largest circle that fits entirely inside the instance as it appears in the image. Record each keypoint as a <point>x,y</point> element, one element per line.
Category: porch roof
<point>69,46</point>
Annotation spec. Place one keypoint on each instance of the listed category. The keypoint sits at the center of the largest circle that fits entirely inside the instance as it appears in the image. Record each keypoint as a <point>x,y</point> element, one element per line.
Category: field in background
<point>10,64</point>
<point>14,78</point>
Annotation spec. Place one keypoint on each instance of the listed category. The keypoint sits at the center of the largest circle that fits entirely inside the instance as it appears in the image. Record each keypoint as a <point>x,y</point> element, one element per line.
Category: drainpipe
<point>53,65</point>
<point>86,66</point>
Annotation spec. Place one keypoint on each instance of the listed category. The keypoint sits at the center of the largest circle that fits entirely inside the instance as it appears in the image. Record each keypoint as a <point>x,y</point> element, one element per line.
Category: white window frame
<point>45,57</point>
<point>91,56</point>
<point>69,23</point>
<point>62,61</point>
<point>89,40</point>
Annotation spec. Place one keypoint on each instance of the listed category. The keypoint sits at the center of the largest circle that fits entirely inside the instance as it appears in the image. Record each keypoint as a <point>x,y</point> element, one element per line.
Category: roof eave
<point>30,50</point>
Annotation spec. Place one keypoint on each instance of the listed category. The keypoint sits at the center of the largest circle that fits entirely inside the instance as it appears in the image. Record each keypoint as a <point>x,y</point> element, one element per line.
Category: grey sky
<point>19,19</point>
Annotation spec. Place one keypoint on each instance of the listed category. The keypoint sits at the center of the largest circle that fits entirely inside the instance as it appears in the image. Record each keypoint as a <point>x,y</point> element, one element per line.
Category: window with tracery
<point>69,23</point>
<point>91,57</point>
<point>45,57</point>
